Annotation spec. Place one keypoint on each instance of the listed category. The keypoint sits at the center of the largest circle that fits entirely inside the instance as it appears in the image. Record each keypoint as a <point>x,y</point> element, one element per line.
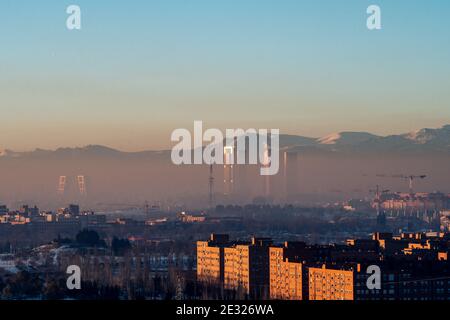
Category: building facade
<point>330,284</point>
<point>210,259</point>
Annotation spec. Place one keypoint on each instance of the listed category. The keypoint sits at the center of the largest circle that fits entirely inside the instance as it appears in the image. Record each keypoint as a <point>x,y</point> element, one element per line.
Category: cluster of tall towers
<point>80,181</point>
<point>287,179</point>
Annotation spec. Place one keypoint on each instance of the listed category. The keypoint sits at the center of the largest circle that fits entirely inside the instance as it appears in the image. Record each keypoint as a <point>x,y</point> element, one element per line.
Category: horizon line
<point>149,149</point>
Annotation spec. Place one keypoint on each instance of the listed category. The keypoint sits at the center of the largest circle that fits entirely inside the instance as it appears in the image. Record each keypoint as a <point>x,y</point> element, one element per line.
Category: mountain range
<point>423,140</point>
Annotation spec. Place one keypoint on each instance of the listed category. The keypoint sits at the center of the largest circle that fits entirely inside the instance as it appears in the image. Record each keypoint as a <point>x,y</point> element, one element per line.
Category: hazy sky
<point>139,69</point>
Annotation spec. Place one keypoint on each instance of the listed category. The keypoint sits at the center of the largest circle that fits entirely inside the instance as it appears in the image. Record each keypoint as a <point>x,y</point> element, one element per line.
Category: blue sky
<point>139,69</point>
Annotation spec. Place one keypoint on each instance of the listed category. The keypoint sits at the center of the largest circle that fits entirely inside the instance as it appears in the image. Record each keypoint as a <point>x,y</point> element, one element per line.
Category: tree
<point>89,238</point>
<point>7,292</point>
<point>120,246</point>
<point>52,290</point>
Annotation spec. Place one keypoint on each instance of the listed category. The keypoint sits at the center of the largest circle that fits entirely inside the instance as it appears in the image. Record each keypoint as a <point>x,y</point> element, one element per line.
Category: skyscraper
<point>228,170</point>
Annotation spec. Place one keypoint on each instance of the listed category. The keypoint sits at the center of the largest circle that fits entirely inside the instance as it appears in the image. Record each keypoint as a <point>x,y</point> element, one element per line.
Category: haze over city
<point>222,156</point>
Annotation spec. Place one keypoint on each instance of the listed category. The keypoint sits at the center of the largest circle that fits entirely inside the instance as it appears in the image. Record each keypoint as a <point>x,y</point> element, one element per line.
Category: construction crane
<point>409,178</point>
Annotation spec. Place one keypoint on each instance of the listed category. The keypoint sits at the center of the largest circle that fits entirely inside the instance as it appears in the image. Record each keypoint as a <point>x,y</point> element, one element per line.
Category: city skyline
<point>134,74</point>
<point>223,158</point>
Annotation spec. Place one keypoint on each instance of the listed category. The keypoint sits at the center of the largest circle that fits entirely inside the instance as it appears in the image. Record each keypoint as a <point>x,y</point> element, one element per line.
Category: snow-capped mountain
<point>426,136</point>
<point>346,138</point>
<point>424,140</point>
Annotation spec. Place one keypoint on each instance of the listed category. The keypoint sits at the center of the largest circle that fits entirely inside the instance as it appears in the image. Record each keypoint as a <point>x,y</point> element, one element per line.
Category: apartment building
<point>210,259</point>
<point>246,268</point>
<point>330,284</point>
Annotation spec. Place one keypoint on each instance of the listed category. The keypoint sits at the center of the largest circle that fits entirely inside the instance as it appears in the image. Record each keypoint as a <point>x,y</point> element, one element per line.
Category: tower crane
<point>409,178</point>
